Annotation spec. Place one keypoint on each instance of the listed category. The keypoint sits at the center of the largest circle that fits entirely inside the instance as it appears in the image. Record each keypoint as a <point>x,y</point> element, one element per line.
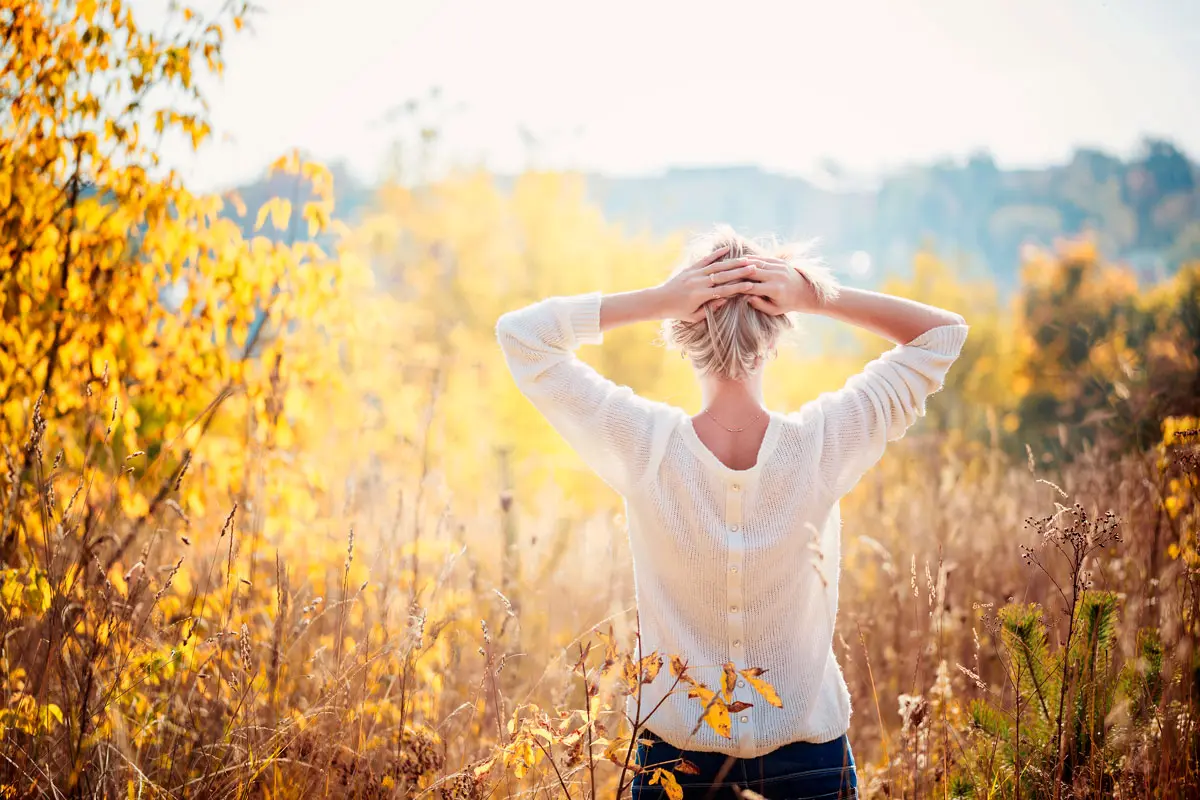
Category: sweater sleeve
<point>608,425</point>
<point>879,404</point>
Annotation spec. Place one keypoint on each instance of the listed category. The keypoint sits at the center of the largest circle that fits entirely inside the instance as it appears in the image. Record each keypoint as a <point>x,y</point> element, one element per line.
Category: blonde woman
<point>733,512</point>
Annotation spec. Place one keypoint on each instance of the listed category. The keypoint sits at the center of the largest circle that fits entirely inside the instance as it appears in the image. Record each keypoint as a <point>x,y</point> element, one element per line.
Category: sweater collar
<point>770,437</point>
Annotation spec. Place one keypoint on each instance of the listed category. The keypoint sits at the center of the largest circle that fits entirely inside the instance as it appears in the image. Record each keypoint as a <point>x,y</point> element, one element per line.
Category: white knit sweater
<point>729,565</point>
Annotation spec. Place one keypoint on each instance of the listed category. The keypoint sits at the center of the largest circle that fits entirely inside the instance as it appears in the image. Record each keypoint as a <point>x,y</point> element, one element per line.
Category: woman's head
<point>732,341</point>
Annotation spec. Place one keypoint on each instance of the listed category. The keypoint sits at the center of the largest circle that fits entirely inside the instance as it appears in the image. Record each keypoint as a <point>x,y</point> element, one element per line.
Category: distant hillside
<point>1145,210</point>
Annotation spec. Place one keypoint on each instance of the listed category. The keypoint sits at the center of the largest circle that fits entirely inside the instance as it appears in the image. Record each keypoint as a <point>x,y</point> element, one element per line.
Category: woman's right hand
<point>710,280</point>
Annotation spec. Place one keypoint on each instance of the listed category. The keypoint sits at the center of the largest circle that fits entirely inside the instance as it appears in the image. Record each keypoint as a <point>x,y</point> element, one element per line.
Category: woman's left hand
<point>781,288</point>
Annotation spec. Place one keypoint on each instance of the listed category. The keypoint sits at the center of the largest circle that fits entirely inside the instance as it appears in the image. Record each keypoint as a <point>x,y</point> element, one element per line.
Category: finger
<point>711,257</point>
<point>730,263</point>
<point>765,287</point>
<point>701,313</point>
<point>770,263</point>
<point>765,305</point>
<point>737,273</point>
<point>738,287</point>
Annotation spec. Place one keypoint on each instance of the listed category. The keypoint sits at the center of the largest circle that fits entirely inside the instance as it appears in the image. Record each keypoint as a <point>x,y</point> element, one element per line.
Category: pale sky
<point>635,86</point>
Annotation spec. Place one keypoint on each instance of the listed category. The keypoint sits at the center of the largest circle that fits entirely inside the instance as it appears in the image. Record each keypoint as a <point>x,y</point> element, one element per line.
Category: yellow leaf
<point>278,209</point>
<point>610,648</point>
<point>281,213</point>
<point>288,163</point>
<point>651,666</point>
<point>238,205</point>
<point>762,687</point>
<point>629,673</point>
<point>317,217</point>
<point>51,711</point>
<point>37,592</point>
<point>716,714</point>
<point>618,750</point>
<point>717,717</point>
<point>672,787</point>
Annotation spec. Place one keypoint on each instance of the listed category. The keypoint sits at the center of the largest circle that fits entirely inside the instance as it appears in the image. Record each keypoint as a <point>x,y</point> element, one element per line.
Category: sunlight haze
<point>632,87</point>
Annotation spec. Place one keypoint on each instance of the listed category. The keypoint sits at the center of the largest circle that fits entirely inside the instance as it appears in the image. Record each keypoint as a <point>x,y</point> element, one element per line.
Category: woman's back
<point>735,541</point>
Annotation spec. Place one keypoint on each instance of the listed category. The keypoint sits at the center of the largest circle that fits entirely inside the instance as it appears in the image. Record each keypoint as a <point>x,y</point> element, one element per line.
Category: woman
<point>733,513</point>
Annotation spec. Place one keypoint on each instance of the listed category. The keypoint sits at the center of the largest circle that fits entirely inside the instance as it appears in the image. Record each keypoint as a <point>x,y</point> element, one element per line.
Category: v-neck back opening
<point>770,436</point>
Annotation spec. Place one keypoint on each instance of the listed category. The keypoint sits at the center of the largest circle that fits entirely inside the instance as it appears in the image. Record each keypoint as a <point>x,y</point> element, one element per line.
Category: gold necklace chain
<point>735,430</point>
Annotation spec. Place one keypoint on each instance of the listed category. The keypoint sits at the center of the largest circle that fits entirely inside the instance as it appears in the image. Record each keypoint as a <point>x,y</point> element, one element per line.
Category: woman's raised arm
<point>894,318</point>
<point>708,282</point>
<point>880,403</point>
<point>610,426</point>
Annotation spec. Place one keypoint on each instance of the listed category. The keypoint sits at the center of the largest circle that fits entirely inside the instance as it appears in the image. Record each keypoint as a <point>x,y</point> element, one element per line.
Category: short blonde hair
<point>733,341</point>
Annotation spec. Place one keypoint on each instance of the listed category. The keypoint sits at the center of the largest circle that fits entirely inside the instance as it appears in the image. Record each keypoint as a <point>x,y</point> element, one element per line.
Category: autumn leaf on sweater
<point>716,713</point>
<point>762,687</point>
<point>728,680</point>
<point>717,717</point>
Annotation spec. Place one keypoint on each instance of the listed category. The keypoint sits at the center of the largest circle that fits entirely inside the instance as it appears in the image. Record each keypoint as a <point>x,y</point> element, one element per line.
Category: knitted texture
<point>729,565</point>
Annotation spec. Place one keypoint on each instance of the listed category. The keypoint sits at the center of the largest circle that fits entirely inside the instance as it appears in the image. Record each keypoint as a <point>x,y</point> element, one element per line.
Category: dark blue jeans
<point>799,771</point>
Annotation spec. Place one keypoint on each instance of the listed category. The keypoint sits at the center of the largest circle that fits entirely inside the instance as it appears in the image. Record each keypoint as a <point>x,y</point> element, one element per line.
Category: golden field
<point>276,523</point>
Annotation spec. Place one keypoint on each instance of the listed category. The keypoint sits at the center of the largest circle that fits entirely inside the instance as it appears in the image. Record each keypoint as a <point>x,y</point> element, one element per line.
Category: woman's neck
<point>734,396</point>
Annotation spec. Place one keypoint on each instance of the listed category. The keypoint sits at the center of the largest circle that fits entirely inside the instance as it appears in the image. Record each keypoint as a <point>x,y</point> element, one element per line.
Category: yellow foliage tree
<point>978,400</point>
<point>142,337</point>
<point>132,308</point>
<point>1100,356</point>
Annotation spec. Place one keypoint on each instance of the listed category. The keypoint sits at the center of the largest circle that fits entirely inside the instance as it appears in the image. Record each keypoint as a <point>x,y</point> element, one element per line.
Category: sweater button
<point>733,609</point>
<point>741,684</point>
<point>735,487</point>
<point>745,719</point>
<point>733,569</point>
<point>733,528</point>
<point>737,642</point>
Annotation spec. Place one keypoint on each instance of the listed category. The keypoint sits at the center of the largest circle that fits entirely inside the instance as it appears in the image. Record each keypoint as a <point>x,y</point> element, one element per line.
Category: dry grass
<point>456,656</point>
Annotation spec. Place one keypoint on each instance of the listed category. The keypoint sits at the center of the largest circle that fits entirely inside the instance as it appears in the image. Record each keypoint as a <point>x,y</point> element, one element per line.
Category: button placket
<point>735,575</point>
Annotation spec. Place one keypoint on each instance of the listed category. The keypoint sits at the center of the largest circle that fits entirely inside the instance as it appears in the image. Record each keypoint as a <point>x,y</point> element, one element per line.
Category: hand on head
<point>774,287</point>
